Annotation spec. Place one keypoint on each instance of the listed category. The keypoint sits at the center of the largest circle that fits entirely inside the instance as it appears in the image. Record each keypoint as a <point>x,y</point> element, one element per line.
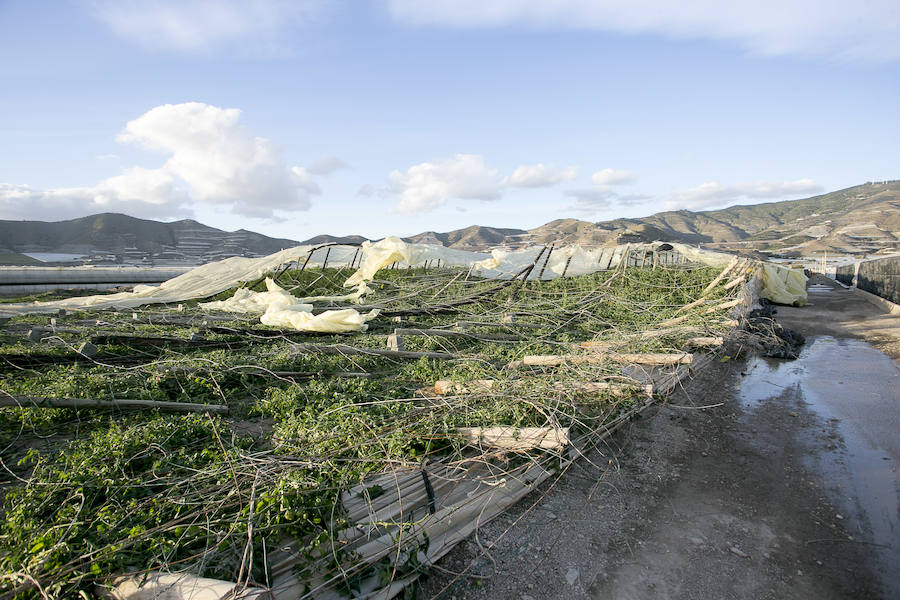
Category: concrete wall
<point>880,277</point>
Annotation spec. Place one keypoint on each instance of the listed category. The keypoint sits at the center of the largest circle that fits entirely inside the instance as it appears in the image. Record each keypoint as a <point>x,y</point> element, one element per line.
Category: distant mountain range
<point>859,220</point>
<point>113,237</point>
<point>864,219</point>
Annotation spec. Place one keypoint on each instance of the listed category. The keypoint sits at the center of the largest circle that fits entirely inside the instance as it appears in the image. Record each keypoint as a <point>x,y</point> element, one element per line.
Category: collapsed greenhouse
<point>329,421</point>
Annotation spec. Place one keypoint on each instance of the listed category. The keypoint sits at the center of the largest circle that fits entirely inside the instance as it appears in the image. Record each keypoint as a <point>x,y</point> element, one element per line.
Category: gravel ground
<point>760,479</point>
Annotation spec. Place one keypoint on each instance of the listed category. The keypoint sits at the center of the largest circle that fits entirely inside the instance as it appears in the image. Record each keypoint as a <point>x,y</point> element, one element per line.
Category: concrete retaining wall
<point>880,277</point>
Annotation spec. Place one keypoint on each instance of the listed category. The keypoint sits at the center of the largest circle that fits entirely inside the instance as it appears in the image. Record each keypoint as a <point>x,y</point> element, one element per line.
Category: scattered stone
<point>87,349</point>
<point>34,335</point>
<point>196,337</point>
<point>839,516</point>
<point>526,597</point>
<point>737,551</point>
<point>572,576</point>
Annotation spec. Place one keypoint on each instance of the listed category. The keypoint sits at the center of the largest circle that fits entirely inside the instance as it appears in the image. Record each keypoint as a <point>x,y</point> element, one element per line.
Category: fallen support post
<point>121,404</point>
<point>705,342</point>
<point>352,351</point>
<point>449,333</point>
<point>724,305</point>
<point>552,360</point>
<point>444,386</point>
<point>517,438</point>
<point>611,387</point>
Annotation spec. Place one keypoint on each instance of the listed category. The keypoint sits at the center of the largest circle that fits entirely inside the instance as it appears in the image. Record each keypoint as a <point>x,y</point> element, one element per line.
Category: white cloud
<point>200,26</point>
<point>591,199</point>
<point>367,190</point>
<point>713,194</point>
<point>606,177</point>
<point>136,194</point>
<point>428,185</point>
<point>841,29</point>
<point>107,156</point>
<point>326,165</point>
<point>212,160</point>
<point>539,175</point>
<point>599,199</point>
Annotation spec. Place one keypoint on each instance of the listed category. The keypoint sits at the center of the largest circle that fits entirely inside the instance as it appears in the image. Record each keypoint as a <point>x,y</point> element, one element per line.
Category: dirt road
<point>786,486</point>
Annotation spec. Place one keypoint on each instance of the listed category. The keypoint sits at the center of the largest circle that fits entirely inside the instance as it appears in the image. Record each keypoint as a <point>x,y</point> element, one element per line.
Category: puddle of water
<point>857,388</point>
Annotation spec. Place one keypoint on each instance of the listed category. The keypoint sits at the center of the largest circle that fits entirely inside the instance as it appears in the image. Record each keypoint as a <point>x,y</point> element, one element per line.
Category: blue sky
<point>397,116</point>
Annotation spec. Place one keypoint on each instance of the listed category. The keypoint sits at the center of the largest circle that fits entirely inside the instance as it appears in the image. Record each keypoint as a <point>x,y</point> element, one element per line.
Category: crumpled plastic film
<point>281,309</point>
<point>780,284</point>
<point>331,321</point>
<point>783,285</point>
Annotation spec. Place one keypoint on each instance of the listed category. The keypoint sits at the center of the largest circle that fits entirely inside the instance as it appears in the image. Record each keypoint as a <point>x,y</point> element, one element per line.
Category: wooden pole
<point>123,404</point>
<point>544,266</point>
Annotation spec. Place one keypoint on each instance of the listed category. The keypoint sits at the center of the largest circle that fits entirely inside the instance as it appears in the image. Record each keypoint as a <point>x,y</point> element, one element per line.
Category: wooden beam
<point>724,305</point>
<point>705,342</point>
<point>444,386</point>
<point>119,404</point>
<point>517,438</point>
<point>552,360</point>
<point>449,333</point>
<point>352,351</point>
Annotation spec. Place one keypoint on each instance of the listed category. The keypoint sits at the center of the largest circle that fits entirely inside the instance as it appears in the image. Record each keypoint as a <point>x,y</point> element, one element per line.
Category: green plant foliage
<point>91,494</point>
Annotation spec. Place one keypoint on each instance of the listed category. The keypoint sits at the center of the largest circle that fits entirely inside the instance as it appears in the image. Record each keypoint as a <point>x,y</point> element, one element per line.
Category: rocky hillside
<point>475,237</point>
<point>861,219</point>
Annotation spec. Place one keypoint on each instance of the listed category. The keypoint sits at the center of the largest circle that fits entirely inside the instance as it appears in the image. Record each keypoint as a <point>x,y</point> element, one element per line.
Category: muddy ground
<point>762,478</point>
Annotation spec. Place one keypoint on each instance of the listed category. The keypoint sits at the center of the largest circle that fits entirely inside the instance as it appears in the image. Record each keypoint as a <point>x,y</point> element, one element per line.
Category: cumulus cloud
<point>599,199</point>
<point>367,190</point>
<point>428,185</point>
<point>606,177</point>
<point>138,192</point>
<point>211,159</point>
<point>713,194</point>
<point>201,26</point>
<point>841,29</point>
<point>326,165</point>
<point>539,175</point>
<point>591,199</point>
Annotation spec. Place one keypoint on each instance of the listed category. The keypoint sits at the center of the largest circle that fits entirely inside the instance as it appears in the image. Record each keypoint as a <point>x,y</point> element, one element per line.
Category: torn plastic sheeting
<point>783,285</point>
<point>157,585</point>
<point>280,309</point>
<point>204,281</point>
<point>200,282</point>
<point>331,321</point>
<point>380,254</point>
<point>248,301</point>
